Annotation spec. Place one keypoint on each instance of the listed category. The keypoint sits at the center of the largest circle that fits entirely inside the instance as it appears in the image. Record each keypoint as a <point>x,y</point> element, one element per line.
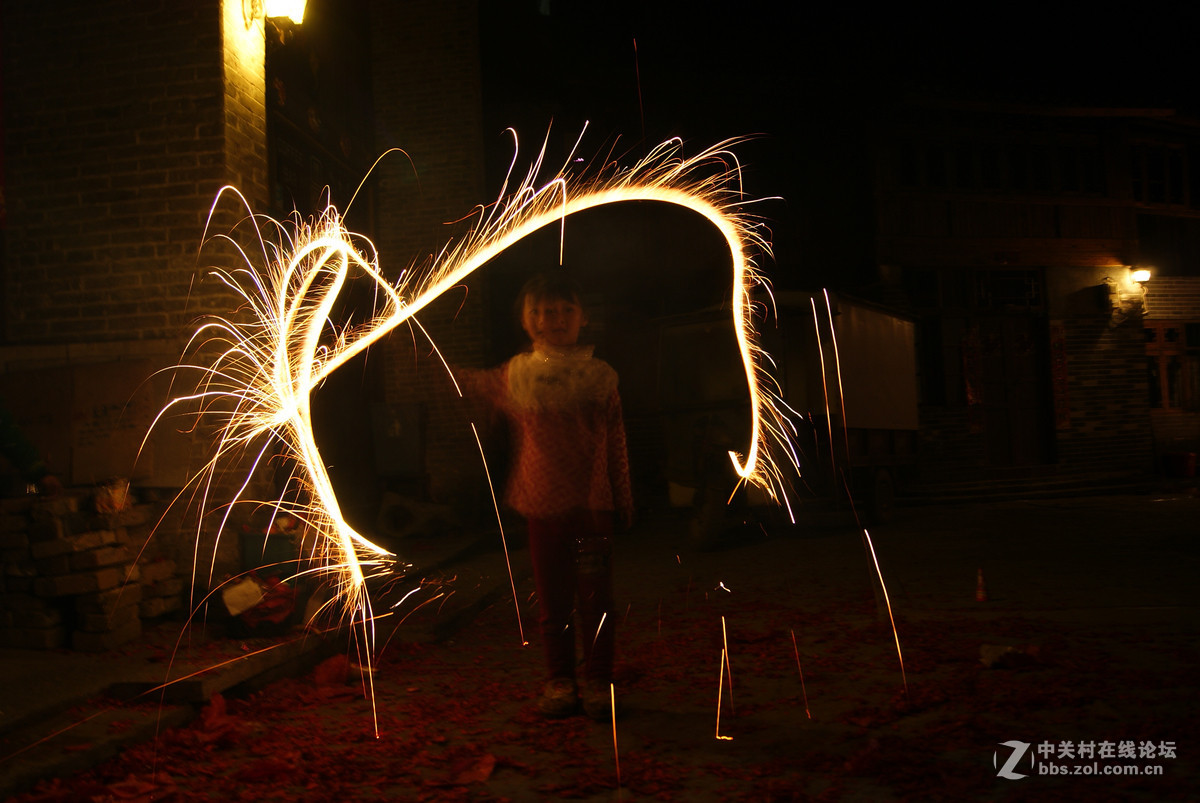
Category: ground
<point>1087,635</point>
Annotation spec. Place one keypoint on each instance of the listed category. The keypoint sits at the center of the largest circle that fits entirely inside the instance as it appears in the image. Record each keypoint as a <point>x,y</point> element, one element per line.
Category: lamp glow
<point>292,9</point>
<point>1140,275</point>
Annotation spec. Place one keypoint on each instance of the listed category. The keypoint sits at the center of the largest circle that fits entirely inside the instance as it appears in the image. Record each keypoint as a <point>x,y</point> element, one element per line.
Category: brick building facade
<point>1010,233</point>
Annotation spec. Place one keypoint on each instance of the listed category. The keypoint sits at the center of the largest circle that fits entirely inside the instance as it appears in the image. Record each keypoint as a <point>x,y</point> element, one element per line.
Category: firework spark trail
<point>803,690</point>
<point>503,540</point>
<point>837,367</point>
<point>720,687</point>
<point>612,702</point>
<point>728,666</point>
<point>887,599</point>
<point>284,344</point>
<point>845,480</point>
<point>825,383</point>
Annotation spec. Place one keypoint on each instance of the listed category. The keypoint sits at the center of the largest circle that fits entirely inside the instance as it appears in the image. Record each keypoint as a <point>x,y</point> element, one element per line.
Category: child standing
<point>569,479</point>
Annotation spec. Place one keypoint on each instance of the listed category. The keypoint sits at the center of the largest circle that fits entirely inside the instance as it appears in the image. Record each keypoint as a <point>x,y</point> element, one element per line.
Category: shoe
<point>559,698</point>
<point>597,702</point>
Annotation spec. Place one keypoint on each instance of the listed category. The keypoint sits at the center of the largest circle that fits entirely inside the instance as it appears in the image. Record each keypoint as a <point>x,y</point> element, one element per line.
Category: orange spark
<point>720,686</point>
<point>803,690</point>
<point>887,599</point>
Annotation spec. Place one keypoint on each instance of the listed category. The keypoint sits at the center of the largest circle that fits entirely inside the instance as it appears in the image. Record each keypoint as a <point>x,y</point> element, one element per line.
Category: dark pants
<point>572,563</point>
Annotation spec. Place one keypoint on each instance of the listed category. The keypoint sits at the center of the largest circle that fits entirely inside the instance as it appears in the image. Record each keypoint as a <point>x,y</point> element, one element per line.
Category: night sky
<point>801,79</point>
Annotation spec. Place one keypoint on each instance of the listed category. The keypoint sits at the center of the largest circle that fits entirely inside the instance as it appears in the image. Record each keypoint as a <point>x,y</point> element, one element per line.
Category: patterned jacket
<point>568,434</point>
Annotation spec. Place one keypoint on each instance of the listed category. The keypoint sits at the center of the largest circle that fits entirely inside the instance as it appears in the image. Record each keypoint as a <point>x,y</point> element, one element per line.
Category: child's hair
<point>548,285</point>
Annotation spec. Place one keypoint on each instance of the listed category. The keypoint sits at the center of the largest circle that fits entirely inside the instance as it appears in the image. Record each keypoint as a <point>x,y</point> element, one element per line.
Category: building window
<point>1008,289</point>
<point>1173,365</point>
<point>1038,165</point>
<point>1159,174</point>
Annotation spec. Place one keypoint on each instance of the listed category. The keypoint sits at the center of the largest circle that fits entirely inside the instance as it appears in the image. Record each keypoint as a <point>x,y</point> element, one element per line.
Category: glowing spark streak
<point>728,666</point>
<point>273,364</point>
<point>825,385</point>
<point>895,632</point>
<point>837,369</point>
<point>599,627</point>
<point>503,540</point>
<point>612,702</point>
<point>405,597</point>
<point>720,686</point>
<point>519,223</point>
<point>803,690</point>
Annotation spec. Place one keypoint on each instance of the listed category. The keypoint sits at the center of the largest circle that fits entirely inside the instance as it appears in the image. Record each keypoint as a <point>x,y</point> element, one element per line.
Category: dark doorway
<point>1014,408</point>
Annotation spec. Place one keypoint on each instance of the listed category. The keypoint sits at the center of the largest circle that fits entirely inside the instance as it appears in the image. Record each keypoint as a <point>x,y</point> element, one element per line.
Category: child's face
<point>552,321</point>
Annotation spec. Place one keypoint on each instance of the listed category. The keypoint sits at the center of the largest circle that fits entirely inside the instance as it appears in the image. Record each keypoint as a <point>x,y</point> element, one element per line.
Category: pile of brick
<point>73,578</point>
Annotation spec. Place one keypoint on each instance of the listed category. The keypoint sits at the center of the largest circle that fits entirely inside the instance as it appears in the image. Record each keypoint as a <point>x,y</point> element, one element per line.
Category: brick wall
<point>1173,298</point>
<point>122,120</point>
<point>428,102</point>
<point>1106,385</point>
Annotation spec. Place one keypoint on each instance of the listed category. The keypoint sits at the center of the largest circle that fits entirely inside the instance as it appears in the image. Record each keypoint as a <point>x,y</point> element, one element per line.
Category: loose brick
<point>57,506</point>
<point>17,505</point>
<point>97,558</point>
<point>21,603</point>
<point>105,602</point>
<point>106,623</point>
<point>13,555</point>
<point>41,619</point>
<point>135,516</point>
<point>44,524</point>
<point>21,568</point>
<point>157,570</point>
<point>48,528</point>
<point>154,607</point>
<point>51,567</point>
<point>70,585</point>
<point>10,523</point>
<point>36,638</point>
<point>94,539</point>
<point>14,539</point>
<point>172,587</point>
<point>51,548</point>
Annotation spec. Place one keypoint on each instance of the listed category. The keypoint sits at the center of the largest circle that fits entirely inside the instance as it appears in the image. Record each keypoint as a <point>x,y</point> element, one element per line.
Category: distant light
<point>1140,275</point>
<point>292,9</point>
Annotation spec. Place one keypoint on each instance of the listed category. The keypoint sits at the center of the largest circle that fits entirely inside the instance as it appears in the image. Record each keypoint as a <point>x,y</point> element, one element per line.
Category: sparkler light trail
<point>284,344</point>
